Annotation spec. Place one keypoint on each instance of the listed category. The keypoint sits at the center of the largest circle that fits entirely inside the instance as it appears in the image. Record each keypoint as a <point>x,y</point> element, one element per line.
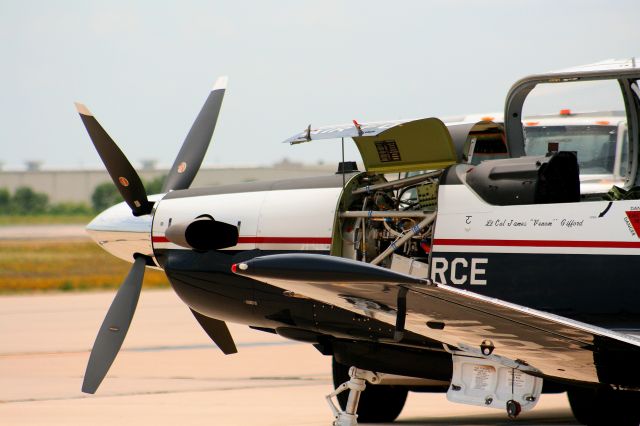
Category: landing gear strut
<point>379,404</point>
<point>356,385</point>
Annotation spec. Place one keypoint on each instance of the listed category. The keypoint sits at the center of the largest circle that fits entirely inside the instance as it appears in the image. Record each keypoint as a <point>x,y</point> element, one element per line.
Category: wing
<point>537,342</point>
<point>338,131</point>
<point>374,128</point>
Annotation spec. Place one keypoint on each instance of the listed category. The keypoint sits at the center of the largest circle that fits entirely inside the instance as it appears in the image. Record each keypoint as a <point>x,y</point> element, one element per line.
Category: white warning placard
<point>481,381</point>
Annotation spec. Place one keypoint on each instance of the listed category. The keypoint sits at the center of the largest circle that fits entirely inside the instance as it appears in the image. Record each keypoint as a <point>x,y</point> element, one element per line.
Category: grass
<point>6,220</point>
<point>33,266</point>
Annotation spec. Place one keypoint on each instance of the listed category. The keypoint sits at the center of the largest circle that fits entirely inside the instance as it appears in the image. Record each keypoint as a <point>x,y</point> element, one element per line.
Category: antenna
<point>343,165</point>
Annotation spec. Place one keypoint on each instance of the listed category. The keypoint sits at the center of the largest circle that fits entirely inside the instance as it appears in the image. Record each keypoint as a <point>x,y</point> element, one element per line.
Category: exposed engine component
<point>383,218</point>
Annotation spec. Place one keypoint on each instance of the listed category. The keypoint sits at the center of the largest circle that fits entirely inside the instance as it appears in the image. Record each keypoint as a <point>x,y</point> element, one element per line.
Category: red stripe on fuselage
<point>266,240</point>
<point>284,240</point>
<point>536,243</point>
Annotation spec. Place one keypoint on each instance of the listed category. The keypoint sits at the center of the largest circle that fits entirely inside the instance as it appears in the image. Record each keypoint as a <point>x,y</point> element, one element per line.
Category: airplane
<point>492,282</point>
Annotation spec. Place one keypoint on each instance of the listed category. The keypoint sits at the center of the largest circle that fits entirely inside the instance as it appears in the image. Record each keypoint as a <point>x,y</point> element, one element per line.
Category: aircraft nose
<point>121,233</point>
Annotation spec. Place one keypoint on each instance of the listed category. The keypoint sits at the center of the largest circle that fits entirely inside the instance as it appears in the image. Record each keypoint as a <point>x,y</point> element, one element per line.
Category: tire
<point>378,403</point>
<point>605,407</point>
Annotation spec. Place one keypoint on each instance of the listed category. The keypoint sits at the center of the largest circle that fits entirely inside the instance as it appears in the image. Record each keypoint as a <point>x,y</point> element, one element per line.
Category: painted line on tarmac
<point>254,385</point>
<point>156,348</point>
<point>207,346</point>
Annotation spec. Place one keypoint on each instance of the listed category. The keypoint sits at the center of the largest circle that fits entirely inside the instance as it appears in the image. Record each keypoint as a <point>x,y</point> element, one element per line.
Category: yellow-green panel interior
<point>423,144</point>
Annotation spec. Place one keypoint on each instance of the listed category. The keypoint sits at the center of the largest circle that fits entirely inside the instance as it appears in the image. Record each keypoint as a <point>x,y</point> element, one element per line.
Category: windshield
<point>594,145</point>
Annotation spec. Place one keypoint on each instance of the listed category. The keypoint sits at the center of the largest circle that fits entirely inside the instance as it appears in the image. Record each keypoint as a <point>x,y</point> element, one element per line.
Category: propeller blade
<point>114,327</point>
<point>195,145</point>
<point>218,331</point>
<point>122,173</point>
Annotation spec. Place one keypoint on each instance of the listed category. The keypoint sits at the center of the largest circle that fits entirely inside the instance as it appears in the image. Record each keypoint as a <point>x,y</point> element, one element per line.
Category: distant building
<point>33,165</point>
<point>149,164</point>
<point>78,185</point>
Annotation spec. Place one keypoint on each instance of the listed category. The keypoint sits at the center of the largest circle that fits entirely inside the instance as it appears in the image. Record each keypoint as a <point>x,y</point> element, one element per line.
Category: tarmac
<point>169,373</point>
<point>43,232</point>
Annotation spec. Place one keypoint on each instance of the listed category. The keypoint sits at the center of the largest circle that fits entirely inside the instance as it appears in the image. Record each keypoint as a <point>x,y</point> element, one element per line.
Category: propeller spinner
<point>133,242</point>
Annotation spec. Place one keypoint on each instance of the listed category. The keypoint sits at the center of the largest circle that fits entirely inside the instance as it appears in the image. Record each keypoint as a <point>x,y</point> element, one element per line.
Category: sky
<point>145,67</point>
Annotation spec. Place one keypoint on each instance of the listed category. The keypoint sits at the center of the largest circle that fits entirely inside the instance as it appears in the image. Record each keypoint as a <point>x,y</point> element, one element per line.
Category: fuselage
<point>568,259</point>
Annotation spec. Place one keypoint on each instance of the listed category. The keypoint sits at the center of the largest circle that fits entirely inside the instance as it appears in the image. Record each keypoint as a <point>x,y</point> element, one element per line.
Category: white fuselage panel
<point>294,219</point>
<point>467,224</point>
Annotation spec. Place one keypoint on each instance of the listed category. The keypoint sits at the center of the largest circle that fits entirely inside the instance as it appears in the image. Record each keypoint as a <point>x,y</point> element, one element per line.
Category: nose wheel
<point>356,385</point>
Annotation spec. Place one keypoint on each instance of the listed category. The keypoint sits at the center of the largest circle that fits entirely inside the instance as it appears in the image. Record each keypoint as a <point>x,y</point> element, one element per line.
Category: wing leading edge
<point>537,342</point>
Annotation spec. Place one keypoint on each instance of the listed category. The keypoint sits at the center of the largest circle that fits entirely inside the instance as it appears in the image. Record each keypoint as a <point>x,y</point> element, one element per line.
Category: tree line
<point>26,201</point>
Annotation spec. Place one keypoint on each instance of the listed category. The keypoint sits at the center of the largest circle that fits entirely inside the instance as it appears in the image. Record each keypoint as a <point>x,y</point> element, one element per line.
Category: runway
<point>169,373</point>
